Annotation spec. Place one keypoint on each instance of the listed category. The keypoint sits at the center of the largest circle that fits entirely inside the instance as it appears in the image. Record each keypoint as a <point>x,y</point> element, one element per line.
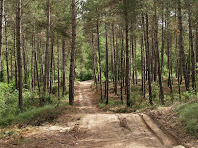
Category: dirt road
<point>109,130</point>
<point>91,128</point>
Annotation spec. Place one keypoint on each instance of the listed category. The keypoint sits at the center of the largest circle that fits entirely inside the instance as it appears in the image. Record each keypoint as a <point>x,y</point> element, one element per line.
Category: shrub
<point>188,115</point>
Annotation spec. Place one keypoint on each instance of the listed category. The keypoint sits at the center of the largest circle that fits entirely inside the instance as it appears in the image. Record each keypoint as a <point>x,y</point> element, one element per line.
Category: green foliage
<point>36,116</point>
<point>9,102</point>
<point>188,115</point>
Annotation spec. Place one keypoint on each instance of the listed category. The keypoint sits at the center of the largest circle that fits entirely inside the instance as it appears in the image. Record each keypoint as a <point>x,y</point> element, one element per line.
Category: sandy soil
<point>91,128</point>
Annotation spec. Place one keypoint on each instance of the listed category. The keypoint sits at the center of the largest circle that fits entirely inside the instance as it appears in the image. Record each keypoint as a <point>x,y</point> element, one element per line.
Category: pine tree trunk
<point>112,70</point>
<point>127,53</point>
<point>46,76</point>
<point>72,62</point>
<point>25,63</point>
<point>64,67</point>
<point>19,54</point>
<point>182,46</point>
<point>1,31</point>
<point>107,66</point>
<point>58,66</point>
<point>7,52</point>
<point>94,59</point>
<point>148,60</point>
<point>161,96</point>
<point>162,48</point>
<point>135,58</point>
<point>15,59</point>
<point>122,75</point>
<point>52,64</point>
<point>197,41</point>
<point>98,35</point>
<point>36,63</point>
<point>32,63</point>
<point>191,47</point>
<point>114,51</point>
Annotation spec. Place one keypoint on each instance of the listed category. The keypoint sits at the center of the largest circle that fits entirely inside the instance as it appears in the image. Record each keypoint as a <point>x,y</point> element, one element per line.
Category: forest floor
<point>90,127</point>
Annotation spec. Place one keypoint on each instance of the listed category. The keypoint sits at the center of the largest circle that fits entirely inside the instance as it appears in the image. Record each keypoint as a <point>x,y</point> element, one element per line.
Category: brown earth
<point>91,128</point>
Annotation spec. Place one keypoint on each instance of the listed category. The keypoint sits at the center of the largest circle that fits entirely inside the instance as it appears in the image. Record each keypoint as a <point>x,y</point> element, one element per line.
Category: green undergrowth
<point>188,116</point>
<point>37,116</point>
<point>36,108</point>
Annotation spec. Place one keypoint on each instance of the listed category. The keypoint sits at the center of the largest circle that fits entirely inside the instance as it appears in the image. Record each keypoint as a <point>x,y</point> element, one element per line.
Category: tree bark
<point>19,54</point>
<point>7,52</point>
<point>148,60</point>
<point>107,67</point>
<point>182,46</point>
<point>101,89</point>
<point>127,53</point>
<point>1,31</point>
<point>46,76</point>
<point>52,64</point>
<point>64,67</point>
<point>72,62</point>
<point>191,46</point>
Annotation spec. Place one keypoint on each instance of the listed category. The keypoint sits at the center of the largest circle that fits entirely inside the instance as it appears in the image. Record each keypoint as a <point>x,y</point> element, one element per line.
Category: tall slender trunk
<point>191,46</point>
<point>32,63</point>
<point>162,48</point>
<point>112,70</point>
<point>148,60</point>
<point>19,54</point>
<point>52,64</point>
<point>64,67</point>
<point>161,96</point>
<point>107,66</point>
<point>25,63</point>
<point>122,75</point>
<point>1,31</point>
<point>11,69</point>
<point>127,53</point>
<point>46,76</point>
<point>197,41</point>
<point>7,52</point>
<point>15,59</point>
<point>72,63</point>
<point>36,63</point>
<point>98,35</point>
<point>94,59</point>
<point>114,51</point>
<point>58,66</point>
<point>182,46</point>
<point>135,58</point>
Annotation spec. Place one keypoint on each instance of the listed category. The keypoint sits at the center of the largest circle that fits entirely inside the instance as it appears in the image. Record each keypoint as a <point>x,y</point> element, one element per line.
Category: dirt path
<point>92,128</point>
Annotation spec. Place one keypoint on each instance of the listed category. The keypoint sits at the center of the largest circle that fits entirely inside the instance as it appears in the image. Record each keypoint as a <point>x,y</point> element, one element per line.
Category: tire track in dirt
<point>110,130</point>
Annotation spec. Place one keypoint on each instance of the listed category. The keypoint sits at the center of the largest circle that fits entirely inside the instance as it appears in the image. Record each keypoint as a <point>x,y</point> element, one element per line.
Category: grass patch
<point>188,115</point>
<point>36,116</point>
